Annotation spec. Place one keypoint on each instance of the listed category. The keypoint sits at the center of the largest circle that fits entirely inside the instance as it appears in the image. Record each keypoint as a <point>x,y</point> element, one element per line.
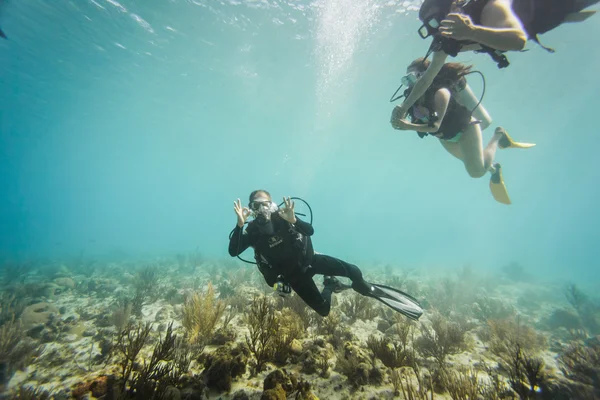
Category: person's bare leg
<point>467,98</point>
<point>478,160</point>
<point>452,148</point>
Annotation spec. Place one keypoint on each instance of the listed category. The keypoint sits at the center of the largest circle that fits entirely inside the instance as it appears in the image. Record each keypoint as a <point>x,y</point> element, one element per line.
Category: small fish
<point>2,34</point>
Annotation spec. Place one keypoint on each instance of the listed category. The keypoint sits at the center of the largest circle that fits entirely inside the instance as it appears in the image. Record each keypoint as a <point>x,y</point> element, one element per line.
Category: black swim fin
<point>398,300</point>
<point>2,34</point>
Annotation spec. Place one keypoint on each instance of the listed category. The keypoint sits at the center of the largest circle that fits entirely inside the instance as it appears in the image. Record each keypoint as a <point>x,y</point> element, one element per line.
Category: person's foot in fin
<point>397,300</point>
<point>506,142</point>
<point>332,283</point>
<point>497,186</point>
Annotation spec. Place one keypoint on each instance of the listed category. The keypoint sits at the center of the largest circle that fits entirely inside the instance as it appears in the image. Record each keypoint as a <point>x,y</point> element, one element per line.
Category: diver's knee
<point>475,171</point>
<point>354,273</point>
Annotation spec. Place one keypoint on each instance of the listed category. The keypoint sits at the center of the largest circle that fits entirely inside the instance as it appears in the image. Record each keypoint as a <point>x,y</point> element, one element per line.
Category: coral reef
<point>224,365</point>
<point>357,366</point>
<point>188,327</point>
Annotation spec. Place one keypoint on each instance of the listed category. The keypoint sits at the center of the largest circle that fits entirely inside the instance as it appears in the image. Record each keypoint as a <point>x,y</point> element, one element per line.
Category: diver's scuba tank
<point>281,287</point>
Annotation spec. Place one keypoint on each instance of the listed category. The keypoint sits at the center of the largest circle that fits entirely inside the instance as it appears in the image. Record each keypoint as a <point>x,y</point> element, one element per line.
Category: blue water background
<point>131,127</point>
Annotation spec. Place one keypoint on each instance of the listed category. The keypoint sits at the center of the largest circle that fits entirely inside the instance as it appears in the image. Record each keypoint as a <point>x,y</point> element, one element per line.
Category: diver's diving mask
<point>430,27</point>
<point>263,206</point>
<point>262,210</point>
<point>410,79</point>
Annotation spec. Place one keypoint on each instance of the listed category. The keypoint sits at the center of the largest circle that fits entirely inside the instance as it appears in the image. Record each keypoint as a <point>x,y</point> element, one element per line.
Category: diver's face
<point>261,203</point>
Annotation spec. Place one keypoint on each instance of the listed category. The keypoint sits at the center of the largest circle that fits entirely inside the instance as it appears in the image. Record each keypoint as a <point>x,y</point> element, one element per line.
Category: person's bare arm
<point>421,86</point>
<point>500,28</point>
<point>441,99</point>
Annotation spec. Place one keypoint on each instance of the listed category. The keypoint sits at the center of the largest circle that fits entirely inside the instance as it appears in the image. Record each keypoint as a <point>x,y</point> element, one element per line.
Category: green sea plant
<point>495,388</point>
<point>288,327</point>
<point>525,373</point>
<point>357,306</point>
<point>335,332</point>
<point>201,314</point>
<point>449,295</point>
<point>486,308</point>
<point>164,367</point>
<point>588,311</point>
<point>31,393</point>
<point>16,350</point>
<point>505,335</point>
<point>581,363</point>
<point>444,337</point>
<point>151,378</point>
<point>11,306</point>
<point>403,383</point>
<point>271,333</point>
<point>564,318</point>
<point>146,283</point>
<point>121,313</point>
<point>129,343</point>
<point>299,307</point>
<point>225,289</point>
<point>391,353</point>
<point>402,331</point>
<point>576,298</point>
<point>462,383</point>
<point>238,302</point>
<point>396,281</point>
<point>260,318</point>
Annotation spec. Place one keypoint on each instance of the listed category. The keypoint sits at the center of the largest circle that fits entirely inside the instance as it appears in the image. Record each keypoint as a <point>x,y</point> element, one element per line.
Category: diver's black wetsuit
<point>288,252</point>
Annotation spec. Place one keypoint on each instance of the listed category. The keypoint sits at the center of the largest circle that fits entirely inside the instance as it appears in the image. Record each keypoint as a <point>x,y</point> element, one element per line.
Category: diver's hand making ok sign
<point>287,213</point>
<point>242,212</point>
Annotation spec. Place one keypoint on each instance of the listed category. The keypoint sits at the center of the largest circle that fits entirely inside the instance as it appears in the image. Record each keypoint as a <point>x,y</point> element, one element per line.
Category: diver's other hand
<point>242,212</point>
<point>457,26</point>
<point>287,213</point>
<point>398,113</point>
<point>401,125</point>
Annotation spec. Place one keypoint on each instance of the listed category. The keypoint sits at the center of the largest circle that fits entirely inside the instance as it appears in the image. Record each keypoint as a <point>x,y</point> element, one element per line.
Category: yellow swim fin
<point>497,186</point>
<point>506,142</point>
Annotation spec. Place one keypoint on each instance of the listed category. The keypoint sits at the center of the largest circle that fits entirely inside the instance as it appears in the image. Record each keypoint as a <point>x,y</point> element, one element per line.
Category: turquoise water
<point>132,127</point>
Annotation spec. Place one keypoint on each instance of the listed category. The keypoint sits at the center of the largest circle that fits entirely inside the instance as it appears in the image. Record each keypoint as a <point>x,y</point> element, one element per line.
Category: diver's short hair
<point>256,192</point>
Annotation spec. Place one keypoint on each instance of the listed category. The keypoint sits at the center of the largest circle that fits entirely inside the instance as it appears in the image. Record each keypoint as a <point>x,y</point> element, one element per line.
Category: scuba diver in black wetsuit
<point>485,26</point>
<point>285,257</point>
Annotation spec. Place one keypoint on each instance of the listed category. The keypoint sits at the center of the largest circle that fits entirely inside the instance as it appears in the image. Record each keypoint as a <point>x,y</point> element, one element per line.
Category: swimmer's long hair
<point>451,75</point>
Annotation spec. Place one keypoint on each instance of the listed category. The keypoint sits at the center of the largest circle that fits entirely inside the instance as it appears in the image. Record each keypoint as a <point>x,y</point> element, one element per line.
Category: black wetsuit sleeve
<point>239,241</point>
<point>304,227</point>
